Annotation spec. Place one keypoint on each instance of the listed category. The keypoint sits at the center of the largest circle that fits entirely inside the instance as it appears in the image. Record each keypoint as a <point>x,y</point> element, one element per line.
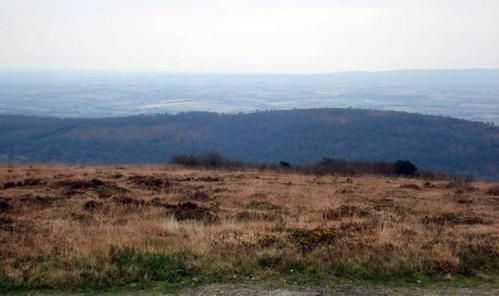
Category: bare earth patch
<point>263,290</point>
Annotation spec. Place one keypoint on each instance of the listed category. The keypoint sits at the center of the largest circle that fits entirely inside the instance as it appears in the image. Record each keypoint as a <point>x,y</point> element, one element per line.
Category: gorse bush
<point>306,240</point>
<point>405,167</point>
<point>208,160</point>
<point>329,166</point>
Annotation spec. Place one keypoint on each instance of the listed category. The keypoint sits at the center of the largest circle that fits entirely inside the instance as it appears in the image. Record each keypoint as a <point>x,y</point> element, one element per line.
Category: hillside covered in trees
<point>295,136</point>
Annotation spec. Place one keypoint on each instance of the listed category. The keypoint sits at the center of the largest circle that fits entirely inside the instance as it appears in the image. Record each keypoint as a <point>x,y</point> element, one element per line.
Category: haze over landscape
<point>249,147</point>
<point>257,36</point>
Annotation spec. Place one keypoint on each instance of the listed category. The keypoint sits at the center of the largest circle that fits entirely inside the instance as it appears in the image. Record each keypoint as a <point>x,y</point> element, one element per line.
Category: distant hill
<point>296,136</point>
<point>471,94</point>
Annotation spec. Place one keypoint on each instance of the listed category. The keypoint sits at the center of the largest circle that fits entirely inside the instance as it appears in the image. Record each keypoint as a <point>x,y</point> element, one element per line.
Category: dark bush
<point>200,195</point>
<point>405,168</point>
<point>410,186</point>
<point>329,166</point>
<point>284,164</point>
<point>128,201</point>
<point>494,190</point>
<point>208,160</point>
<point>26,183</point>
<point>149,181</point>
<point>192,211</point>
<point>4,205</point>
<point>208,179</point>
<point>81,184</point>
<point>92,205</point>
<point>38,200</point>
<point>9,185</point>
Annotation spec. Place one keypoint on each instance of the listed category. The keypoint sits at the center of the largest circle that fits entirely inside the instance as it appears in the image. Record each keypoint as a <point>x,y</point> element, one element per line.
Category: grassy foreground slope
<point>295,136</point>
<point>102,226</point>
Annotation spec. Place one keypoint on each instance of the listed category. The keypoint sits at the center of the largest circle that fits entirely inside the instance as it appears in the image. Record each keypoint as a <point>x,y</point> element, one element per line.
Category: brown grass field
<point>103,226</point>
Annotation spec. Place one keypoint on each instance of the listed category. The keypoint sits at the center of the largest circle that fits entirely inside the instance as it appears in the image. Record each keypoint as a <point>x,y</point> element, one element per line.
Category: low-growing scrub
<point>176,227</point>
<point>450,218</point>
<point>192,211</point>
<point>150,182</point>
<point>493,190</point>
<point>92,205</point>
<point>249,216</point>
<point>307,240</point>
<point>81,184</point>
<point>344,211</point>
<point>5,205</point>
<point>30,182</point>
<point>326,166</point>
<point>128,201</point>
<point>262,206</point>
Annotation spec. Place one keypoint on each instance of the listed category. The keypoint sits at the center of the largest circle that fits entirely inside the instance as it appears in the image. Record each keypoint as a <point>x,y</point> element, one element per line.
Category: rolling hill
<point>297,136</point>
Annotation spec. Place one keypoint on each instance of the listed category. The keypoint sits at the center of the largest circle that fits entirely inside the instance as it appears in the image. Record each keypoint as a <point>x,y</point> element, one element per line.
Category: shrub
<point>200,195</point>
<point>192,211</point>
<point>82,218</point>
<point>331,166</point>
<point>307,240</point>
<point>494,190</point>
<point>450,218</point>
<point>208,160</point>
<point>284,164</point>
<point>410,186</point>
<point>405,167</point>
<point>128,201</point>
<point>4,280</point>
<point>135,265</point>
<point>344,211</point>
<point>262,206</point>
<point>271,241</point>
<point>256,216</point>
<point>4,205</point>
<point>92,205</point>
<point>81,184</point>
<point>150,182</point>
<point>478,257</point>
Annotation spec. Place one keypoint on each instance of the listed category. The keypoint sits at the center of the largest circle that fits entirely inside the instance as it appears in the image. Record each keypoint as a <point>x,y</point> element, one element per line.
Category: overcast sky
<point>263,36</point>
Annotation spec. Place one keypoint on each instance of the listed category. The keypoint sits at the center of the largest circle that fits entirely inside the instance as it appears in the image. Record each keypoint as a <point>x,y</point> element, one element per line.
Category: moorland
<point>99,227</point>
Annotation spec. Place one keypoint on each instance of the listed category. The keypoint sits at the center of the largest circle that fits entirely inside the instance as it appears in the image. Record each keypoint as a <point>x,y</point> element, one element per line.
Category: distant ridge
<point>296,136</point>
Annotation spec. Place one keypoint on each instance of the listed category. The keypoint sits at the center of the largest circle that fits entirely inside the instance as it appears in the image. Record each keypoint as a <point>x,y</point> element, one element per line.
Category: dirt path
<point>263,290</point>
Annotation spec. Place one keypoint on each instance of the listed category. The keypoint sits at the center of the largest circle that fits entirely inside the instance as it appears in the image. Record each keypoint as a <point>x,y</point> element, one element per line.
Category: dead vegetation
<point>493,190</point>
<point>78,226</point>
<point>453,218</point>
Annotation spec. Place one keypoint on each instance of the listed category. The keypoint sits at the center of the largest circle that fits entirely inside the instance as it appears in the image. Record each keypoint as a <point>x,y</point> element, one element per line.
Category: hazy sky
<point>289,36</point>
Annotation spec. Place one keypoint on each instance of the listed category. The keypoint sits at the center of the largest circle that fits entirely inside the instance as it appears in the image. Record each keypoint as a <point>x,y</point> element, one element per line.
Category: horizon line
<point>163,72</point>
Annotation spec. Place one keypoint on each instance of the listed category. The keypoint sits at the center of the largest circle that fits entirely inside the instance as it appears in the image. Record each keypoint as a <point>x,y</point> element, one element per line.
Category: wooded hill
<point>295,136</point>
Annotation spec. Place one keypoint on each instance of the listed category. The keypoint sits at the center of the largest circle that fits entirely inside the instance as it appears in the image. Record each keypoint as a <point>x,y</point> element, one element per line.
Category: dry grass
<point>67,225</point>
